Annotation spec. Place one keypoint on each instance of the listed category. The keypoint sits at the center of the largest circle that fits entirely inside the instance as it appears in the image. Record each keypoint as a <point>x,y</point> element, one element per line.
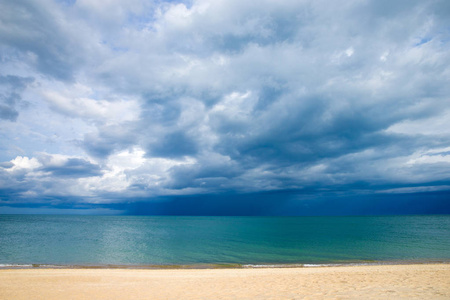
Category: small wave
<point>15,266</point>
<point>321,265</point>
<point>299,265</point>
<point>273,266</point>
<point>49,266</point>
<point>7,266</point>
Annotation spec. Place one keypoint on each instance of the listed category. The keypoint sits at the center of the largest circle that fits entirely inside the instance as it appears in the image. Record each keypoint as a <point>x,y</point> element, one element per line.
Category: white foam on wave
<point>7,266</point>
<point>321,265</point>
<point>15,266</point>
<point>273,266</point>
<point>293,265</point>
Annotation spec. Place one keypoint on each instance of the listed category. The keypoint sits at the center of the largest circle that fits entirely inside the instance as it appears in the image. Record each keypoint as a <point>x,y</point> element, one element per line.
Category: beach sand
<point>420,281</point>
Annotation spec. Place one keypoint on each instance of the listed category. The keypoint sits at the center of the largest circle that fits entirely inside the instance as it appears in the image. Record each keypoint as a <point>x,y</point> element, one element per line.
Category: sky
<point>225,107</point>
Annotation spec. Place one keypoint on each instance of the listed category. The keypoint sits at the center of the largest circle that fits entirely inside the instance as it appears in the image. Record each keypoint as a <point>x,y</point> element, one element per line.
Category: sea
<point>30,241</point>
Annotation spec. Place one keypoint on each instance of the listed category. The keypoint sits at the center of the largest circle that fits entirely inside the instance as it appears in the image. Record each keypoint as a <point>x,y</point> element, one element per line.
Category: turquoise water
<point>146,240</point>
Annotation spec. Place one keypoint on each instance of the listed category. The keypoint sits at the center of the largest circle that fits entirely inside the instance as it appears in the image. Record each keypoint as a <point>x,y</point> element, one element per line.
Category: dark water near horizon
<point>148,240</point>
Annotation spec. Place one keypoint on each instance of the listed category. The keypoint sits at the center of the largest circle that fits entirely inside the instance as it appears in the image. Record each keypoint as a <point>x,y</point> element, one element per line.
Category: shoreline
<point>202,266</point>
<point>412,281</point>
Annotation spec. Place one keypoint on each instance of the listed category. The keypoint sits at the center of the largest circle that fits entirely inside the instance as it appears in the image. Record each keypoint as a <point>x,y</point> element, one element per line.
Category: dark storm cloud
<point>215,175</point>
<point>12,186</point>
<point>294,203</point>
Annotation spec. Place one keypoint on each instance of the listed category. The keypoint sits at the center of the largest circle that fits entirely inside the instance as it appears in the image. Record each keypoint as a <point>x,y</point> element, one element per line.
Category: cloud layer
<point>111,102</point>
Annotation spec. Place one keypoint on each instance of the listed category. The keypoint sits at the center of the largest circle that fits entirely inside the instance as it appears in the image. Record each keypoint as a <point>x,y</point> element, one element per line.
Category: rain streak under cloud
<point>224,107</point>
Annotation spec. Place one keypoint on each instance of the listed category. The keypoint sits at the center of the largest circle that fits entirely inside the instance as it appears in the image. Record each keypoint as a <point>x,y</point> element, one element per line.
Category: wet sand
<point>420,281</point>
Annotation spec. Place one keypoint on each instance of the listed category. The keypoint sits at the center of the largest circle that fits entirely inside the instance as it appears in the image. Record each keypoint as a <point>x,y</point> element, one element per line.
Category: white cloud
<point>108,112</point>
<point>236,106</point>
<point>431,156</point>
<point>24,163</point>
<point>438,124</point>
<point>427,159</point>
<point>349,52</point>
<point>127,168</point>
<point>384,56</point>
<point>417,189</point>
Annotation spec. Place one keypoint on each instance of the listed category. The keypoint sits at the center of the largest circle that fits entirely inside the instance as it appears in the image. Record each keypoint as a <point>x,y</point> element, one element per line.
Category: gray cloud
<point>44,35</point>
<point>7,109</point>
<point>107,140</point>
<point>174,145</point>
<point>10,90</point>
<point>73,167</point>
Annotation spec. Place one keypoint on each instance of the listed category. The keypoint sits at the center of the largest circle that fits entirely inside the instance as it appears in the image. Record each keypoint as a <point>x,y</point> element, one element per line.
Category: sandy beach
<point>420,281</point>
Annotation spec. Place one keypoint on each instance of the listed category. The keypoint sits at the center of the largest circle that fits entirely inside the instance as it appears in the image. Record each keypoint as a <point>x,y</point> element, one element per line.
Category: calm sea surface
<point>145,240</point>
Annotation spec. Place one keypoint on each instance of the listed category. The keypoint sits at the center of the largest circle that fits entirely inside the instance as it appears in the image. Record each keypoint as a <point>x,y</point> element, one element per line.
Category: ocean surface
<point>139,241</point>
